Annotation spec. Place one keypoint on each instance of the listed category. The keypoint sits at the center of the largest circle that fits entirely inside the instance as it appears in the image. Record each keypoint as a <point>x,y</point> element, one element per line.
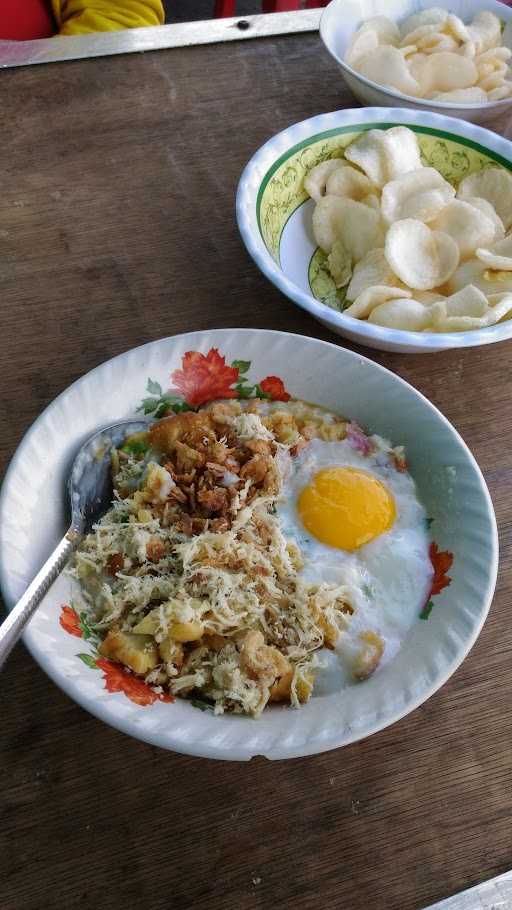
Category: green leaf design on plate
<point>260,393</point>
<point>427,610</point>
<point>147,405</point>
<point>88,631</point>
<point>244,391</point>
<point>161,406</point>
<point>154,388</point>
<point>322,283</point>
<point>242,366</point>
<point>88,660</point>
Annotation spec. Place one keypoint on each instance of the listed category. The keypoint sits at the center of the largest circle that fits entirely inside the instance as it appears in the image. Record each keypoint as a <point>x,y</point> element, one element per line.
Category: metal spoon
<point>90,493</point>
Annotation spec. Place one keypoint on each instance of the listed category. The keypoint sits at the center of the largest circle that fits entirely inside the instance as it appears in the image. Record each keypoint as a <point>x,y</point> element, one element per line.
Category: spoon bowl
<point>90,481</point>
<point>90,493</point>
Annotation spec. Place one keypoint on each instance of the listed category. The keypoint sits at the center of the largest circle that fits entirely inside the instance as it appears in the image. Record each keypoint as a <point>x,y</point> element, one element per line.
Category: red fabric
<point>22,20</point>
<point>224,8</point>
<point>279,6</point>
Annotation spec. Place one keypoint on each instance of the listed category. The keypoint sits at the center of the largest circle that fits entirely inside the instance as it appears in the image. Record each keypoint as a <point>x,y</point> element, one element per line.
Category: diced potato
<point>186,631</point>
<point>264,663</point>
<point>332,432</point>
<point>280,691</point>
<point>150,624</point>
<point>158,483</point>
<point>216,642</point>
<point>171,609</point>
<point>331,633</point>
<point>369,656</point>
<point>283,425</point>
<point>167,432</point>
<point>171,651</point>
<point>139,652</point>
<point>304,686</point>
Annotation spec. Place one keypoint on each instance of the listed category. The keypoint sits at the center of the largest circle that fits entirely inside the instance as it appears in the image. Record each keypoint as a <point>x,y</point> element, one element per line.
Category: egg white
<point>388,579</point>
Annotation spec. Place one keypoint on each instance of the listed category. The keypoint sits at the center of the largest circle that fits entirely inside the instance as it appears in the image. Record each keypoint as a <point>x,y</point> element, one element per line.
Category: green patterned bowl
<point>274,212</point>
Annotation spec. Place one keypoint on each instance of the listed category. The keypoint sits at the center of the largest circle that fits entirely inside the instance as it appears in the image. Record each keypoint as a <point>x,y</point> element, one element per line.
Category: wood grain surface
<point>117,227</point>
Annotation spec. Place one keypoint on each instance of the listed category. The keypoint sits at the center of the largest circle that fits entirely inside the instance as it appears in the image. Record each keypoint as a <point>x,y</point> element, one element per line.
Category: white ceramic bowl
<point>33,518</point>
<point>343,17</point>
<point>274,212</point>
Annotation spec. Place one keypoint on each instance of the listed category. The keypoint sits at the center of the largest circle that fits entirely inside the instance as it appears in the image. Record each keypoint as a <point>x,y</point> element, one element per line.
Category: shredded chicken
<point>189,576</point>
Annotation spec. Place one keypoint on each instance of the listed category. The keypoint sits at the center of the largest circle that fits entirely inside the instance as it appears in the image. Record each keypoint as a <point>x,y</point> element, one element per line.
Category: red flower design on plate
<point>274,387</point>
<point>70,621</point>
<point>204,377</point>
<point>118,679</point>
<point>441,561</point>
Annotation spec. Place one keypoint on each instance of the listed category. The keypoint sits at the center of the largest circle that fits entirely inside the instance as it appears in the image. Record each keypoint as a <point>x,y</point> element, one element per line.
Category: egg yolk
<point>346,507</point>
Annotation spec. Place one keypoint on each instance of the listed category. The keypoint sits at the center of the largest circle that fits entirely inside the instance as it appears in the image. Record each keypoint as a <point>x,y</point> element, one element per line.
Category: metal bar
<point>495,894</point>
<point>137,40</point>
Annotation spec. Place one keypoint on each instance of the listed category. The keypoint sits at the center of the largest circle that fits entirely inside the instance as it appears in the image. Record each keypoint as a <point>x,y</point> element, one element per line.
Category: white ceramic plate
<point>33,518</point>
<point>341,19</point>
<point>274,212</point>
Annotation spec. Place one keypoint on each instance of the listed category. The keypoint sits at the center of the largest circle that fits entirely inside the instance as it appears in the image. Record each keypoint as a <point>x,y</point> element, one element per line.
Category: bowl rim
<point>283,143</point>
<point>428,104</point>
<point>126,724</point>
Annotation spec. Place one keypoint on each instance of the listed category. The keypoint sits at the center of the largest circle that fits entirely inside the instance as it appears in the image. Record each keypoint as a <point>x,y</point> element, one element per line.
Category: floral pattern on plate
<point>207,377</point>
<point>117,678</point>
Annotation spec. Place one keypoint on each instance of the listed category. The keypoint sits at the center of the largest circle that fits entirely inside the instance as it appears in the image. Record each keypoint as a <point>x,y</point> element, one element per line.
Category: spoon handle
<point>12,627</point>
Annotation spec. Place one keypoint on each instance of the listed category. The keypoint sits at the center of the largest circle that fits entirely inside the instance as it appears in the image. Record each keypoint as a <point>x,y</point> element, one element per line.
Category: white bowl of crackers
<point>452,59</point>
<point>391,227</point>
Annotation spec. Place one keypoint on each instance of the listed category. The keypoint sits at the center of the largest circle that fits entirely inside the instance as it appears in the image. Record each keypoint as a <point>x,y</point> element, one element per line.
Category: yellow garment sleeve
<point>79,17</point>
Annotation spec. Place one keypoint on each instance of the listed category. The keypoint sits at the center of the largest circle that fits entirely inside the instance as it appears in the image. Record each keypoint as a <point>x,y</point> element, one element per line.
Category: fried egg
<point>359,523</point>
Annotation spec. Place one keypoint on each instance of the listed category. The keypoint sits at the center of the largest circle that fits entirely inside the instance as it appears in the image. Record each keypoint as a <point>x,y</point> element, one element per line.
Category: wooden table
<point>117,227</point>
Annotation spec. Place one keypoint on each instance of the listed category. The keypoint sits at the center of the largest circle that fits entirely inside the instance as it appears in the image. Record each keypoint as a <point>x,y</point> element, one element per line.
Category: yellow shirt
<point>79,17</point>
